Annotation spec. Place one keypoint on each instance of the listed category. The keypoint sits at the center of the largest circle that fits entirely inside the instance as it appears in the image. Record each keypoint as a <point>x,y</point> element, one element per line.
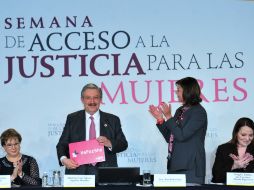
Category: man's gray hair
<point>90,86</point>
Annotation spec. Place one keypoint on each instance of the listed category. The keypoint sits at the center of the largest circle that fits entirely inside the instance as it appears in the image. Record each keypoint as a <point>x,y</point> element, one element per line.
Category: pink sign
<point>87,152</point>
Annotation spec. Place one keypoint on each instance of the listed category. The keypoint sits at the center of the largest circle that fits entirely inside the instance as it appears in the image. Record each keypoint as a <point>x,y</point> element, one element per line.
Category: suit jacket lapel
<point>83,124</point>
<point>102,123</point>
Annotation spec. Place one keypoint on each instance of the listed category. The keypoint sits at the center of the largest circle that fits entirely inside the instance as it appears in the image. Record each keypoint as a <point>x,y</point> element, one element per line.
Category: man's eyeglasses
<point>12,145</point>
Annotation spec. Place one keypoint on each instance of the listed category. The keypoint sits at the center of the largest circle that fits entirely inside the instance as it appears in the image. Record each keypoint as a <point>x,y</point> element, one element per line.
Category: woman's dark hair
<point>10,134</point>
<point>244,121</point>
<point>191,91</point>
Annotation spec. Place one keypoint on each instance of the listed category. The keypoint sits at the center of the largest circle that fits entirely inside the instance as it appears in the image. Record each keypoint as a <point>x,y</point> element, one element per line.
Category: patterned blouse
<point>31,176</point>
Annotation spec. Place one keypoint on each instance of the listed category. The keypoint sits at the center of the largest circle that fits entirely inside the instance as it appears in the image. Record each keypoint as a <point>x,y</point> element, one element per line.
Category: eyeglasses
<point>12,145</point>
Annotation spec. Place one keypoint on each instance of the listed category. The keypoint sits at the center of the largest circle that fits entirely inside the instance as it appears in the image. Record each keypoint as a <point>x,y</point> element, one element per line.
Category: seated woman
<point>23,169</point>
<point>237,154</point>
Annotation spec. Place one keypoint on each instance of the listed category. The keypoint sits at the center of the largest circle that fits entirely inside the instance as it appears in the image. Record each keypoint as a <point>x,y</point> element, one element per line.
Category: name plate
<point>5,181</point>
<point>79,180</point>
<point>242,179</point>
<point>169,180</point>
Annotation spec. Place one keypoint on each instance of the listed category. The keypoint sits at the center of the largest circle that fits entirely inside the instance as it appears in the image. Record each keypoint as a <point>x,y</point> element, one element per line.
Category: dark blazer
<point>189,137</point>
<point>223,162</point>
<point>75,131</point>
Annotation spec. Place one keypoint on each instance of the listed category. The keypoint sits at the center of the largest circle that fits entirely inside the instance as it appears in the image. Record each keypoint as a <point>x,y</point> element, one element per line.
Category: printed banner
<point>50,49</point>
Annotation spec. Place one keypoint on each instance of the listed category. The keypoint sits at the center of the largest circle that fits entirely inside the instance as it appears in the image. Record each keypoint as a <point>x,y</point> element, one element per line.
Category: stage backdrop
<point>134,50</point>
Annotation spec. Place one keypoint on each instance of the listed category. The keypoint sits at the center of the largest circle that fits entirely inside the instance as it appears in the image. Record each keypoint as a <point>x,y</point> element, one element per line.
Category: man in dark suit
<point>107,127</point>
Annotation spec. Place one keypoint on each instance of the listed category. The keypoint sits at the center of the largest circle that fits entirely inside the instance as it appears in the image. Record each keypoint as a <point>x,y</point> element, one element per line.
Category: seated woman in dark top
<point>237,154</point>
<point>23,169</point>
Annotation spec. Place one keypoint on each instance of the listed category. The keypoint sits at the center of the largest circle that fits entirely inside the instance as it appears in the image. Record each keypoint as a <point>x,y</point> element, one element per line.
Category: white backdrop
<point>135,50</point>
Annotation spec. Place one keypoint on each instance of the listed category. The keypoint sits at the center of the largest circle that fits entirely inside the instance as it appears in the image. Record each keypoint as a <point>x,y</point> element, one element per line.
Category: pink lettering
<point>217,90</point>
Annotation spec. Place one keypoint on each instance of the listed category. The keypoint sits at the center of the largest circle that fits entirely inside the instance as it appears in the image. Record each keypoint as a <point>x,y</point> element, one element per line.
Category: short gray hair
<point>91,86</point>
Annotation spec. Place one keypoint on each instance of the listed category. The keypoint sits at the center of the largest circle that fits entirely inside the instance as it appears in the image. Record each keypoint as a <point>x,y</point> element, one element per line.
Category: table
<point>132,187</point>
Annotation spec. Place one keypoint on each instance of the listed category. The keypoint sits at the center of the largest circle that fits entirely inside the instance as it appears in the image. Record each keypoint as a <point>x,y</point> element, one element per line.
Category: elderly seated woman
<point>23,169</point>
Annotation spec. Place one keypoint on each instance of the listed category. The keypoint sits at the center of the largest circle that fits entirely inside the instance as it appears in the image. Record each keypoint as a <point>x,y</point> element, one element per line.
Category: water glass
<point>56,178</point>
<point>45,179</point>
<point>146,177</point>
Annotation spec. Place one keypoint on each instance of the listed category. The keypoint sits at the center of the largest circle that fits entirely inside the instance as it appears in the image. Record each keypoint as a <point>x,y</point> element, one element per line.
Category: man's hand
<point>69,164</point>
<point>104,141</point>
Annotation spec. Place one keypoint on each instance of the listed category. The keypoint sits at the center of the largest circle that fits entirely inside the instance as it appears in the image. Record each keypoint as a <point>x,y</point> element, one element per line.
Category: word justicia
<point>98,65</point>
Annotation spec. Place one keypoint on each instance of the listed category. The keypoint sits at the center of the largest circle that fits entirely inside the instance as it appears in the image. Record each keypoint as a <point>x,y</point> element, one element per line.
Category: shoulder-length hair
<point>244,121</point>
<point>191,91</point>
<point>10,134</point>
